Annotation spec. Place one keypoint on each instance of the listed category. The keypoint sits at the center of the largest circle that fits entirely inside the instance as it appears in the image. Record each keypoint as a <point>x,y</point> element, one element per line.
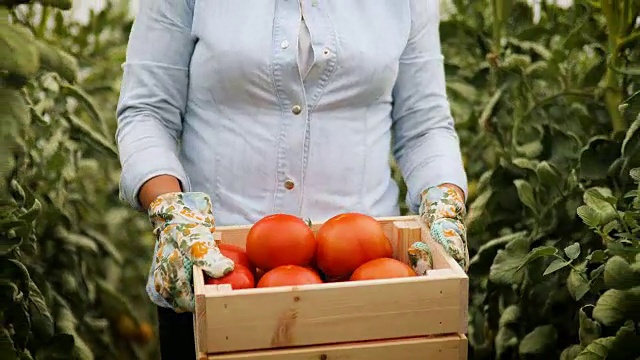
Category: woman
<point>246,108</point>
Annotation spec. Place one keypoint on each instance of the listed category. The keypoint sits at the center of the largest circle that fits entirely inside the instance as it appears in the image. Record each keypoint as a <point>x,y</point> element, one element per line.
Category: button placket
<point>292,97</point>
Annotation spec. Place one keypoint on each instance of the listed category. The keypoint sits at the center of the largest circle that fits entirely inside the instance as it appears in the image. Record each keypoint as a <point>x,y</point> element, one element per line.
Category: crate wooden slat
<point>451,347</point>
<point>235,324</point>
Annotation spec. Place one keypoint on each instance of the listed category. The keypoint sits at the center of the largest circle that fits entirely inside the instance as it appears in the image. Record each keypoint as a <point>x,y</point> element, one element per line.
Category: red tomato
<point>280,239</point>
<point>383,268</point>
<point>239,278</point>
<point>237,254</point>
<point>289,275</point>
<point>347,241</point>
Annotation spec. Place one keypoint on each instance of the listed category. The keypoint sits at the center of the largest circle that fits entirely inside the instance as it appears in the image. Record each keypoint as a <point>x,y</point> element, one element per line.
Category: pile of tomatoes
<point>282,250</point>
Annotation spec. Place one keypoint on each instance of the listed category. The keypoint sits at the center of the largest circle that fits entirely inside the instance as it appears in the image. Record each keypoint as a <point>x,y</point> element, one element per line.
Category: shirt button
<point>288,184</point>
<point>284,44</point>
<point>326,52</point>
<point>296,109</point>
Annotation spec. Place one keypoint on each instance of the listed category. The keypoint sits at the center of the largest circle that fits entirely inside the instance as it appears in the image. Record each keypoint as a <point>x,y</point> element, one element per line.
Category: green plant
<point>542,110</point>
<point>62,227</point>
<point>608,328</point>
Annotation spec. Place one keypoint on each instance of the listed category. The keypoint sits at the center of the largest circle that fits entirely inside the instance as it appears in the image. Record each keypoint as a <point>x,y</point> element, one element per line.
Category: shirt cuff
<point>145,165</point>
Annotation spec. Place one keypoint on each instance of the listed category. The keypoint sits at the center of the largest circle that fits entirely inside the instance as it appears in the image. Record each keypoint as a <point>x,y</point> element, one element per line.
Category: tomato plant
<point>547,111</point>
<point>280,239</point>
<point>347,241</point>
<point>382,268</point>
<point>289,275</point>
<point>73,258</point>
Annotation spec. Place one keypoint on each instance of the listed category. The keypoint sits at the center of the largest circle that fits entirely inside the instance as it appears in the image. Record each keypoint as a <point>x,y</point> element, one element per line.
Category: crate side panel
<point>453,347</point>
<point>313,316</point>
<point>443,260</point>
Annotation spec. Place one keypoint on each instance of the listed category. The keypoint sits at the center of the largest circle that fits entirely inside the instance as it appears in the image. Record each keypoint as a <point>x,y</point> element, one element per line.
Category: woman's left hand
<point>443,211</point>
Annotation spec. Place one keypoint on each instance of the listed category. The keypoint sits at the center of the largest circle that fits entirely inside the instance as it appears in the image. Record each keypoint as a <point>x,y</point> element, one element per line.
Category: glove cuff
<point>440,202</point>
<point>182,208</point>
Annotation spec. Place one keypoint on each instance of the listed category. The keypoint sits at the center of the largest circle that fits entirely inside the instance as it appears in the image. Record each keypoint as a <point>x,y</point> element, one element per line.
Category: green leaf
<point>77,240</point>
<point>57,60</point>
<point>505,269</point>
<point>603,202</point>
<point>515,61</point>
<point>589,216</point>
<point>572,251</point>
<point>597,257</point>
<point>14,113</point>
<point>33,212</point>
<point>530,149</point>
<point>597,272</point>
<point>505,339</point>
<point>625,344</point>
<point>615,306</point>
<point>537,253</point>
<point>490,108</point>
<point>463,89</point>
<point>482,260</point>
<point>577,285</point>
<point>598,196</point>
<point>547,173</point>
<point>510,315</point>
<point>18,40</point>
<point>570,352</point>
<point>589,330</point>
<point>619,275</point>
<point>611,225</point>
<point>525,193</point>
<point>90,137</point>
<point>597,350</point>
<point>556,265</point>
<point>539,341</point>
<point>525,163</point>
<point>41,321</point>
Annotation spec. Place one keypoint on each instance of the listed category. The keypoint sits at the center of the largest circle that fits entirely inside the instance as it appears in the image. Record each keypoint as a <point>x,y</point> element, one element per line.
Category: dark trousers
<point>176,335</point>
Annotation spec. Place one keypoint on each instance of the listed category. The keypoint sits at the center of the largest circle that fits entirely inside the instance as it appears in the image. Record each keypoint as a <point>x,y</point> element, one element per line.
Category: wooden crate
<point>422,317</point>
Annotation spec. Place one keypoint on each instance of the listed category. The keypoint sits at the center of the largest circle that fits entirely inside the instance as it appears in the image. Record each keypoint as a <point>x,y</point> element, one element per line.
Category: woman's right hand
<point>183,224</point>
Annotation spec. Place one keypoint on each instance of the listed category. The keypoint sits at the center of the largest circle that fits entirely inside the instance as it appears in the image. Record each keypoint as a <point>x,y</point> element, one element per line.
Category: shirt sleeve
<point>153,95</point>
<point>425,143</point>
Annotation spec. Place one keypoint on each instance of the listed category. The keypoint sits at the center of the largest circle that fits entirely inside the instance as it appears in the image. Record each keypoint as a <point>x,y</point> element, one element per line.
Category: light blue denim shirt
<point>212,95</point>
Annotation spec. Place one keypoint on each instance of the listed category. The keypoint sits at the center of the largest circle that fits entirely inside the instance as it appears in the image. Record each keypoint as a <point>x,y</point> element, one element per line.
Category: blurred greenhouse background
<point>545,97</point>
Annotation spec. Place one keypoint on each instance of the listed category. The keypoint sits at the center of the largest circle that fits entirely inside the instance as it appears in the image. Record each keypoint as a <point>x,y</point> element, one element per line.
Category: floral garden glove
<point>183,224</point>
<point>443,211</point>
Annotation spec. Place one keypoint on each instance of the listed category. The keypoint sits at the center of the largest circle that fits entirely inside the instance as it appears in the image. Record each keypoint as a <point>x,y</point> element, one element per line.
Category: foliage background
<point>546,106</point>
